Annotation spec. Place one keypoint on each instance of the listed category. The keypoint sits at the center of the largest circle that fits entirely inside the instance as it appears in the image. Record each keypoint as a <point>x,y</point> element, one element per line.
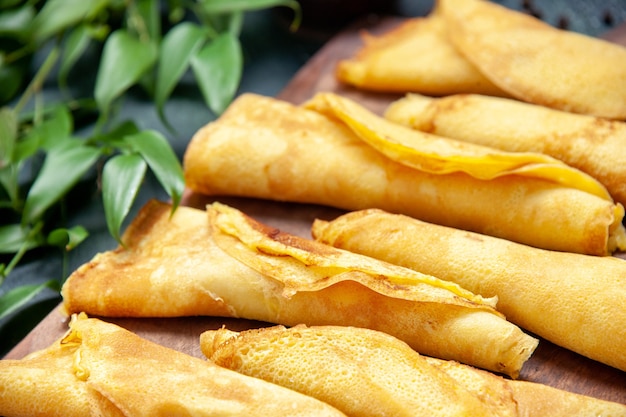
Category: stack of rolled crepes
<point>220,262</point>
<point>594,145</point>
<point>366,373</point>
<point>333,151</point>
<point>575,301</point>
<point>477,46</point>
<point>100,369</point>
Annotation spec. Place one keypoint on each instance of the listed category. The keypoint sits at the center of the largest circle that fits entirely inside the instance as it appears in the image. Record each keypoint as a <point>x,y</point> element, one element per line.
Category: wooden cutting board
<point>550,364</point>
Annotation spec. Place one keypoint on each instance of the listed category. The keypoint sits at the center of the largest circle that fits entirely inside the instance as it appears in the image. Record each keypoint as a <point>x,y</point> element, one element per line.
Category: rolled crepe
<point>594,145</point>
<point>100,369</point>
<point>225,264</point>
<point>536,62</point>
<point>335,152</point>
<point>575,301</point>
<point>369,373</point>
<point>415,56</point>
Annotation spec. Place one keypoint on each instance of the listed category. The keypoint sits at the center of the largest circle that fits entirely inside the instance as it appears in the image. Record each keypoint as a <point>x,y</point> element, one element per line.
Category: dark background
<point>272,55</point>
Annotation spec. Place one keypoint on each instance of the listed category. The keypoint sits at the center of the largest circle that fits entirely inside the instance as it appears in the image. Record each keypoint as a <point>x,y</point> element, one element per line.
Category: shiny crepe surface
<point>369,373</point>
<point>416,56</point>
<point>536,62</point>
<point>224,263</point>
<point>436,154</point>
<point>591,144</point>
<point>100,369</point>
<point>575,301</point>
<point>478,46</point>
<point>299,154</point>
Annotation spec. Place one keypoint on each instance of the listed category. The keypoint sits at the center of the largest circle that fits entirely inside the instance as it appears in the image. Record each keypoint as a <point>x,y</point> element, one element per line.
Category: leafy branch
<point>150,44</point>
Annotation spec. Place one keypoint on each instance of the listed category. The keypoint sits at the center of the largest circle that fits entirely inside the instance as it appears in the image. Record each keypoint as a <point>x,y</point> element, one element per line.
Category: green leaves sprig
<point>125,153</point>
<point>150,44</point>
<point>137,49</point>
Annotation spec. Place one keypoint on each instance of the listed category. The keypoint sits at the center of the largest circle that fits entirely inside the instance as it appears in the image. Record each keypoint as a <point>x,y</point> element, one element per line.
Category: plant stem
<point>20,253</point>
<point>38,79</point>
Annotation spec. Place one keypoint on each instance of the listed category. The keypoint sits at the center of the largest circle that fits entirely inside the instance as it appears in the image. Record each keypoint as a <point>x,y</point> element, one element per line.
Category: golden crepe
<point>100,369</point>
<point>415,56</point>
<point>575,301</point>
<point>367,373</point>
<point>594,145</point>
<point>536,62</point>
<point>335,152</point>
<point>223,263</point>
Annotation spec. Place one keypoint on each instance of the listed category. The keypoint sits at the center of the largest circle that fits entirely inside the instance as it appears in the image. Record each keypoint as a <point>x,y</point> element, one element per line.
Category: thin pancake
<point>536,62</point>
<point>573,300</point>
<point>100,369</point>
<point>594,145</point>
<point>415,56</point>
<point>302,155</point>
<point>223,263</point>
<point>368,373</point>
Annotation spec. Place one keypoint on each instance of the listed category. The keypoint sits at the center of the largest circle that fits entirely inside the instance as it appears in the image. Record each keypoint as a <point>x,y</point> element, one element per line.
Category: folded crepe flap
<point>414,56</point>
<point>365,372</point>
<point>305,265</point>
<point>129,281</point>
<point>536,62</point>
<point>285,143</point>
<point>143,378</point>
<point>180,270</point>
<point>440,155</point>
<point>344,287</point>
<point>584,142</point>
<point>569,299</point>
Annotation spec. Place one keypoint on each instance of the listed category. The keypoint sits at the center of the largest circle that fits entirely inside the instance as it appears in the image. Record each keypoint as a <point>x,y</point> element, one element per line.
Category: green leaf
<point>229,6</point>
<point>9,182</point>
<point>115,137</point>
<point>63,167</point>
<point>75,45</point>
<point>11,80</point>
<point>18,297</point>
<point>26,148</point>
<point>163,162</point>
<point>8,135</point>
<point>124,60</point>
<point>236,23</point>
<point>67,239</point>
<point>57,15</point>
<point>7,4</point>
<point>14,236</point>
<point>15,22</point>
<point>216,23</point>
<point>121,179</point>
<point>144,18</point>
<point>177,48</point>
<point>176,10</point>
<point>217,68</point>
<point>55,129</point>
